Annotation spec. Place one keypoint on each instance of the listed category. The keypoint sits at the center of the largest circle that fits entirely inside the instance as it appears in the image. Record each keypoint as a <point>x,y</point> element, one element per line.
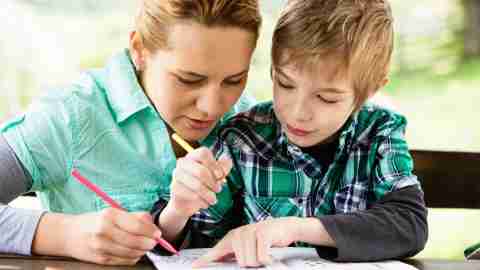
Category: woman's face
<point>199,77</point>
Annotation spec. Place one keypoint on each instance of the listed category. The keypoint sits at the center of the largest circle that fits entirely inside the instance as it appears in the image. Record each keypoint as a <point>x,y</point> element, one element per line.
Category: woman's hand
<point>110,237</point>
<point>196,180</point>
<point>250,244</point>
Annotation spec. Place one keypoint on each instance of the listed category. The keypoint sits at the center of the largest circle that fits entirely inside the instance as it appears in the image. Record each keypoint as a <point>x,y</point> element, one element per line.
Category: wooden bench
<point>449,179</point>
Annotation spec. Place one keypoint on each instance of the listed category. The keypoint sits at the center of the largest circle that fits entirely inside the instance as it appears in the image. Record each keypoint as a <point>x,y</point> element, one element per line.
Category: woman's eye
<point>188,82</point>
<point>234,82</point>
<point>285,86</point>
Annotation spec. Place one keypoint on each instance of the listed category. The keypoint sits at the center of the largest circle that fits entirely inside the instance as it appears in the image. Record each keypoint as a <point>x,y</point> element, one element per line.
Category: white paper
<point>284,258</point>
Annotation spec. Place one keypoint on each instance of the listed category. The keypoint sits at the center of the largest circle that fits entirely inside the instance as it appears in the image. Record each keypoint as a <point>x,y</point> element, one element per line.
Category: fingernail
<point>218,173</point>
<point>158,234</point>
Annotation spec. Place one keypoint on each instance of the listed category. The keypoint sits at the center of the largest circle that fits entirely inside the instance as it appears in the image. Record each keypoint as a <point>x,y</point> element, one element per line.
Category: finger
<point>153,231</point>
<point>222,250</point>
<point>263,248</point>
<point>226,164</point>
<point>196,186</point>
<point>237,246</point>
<point>206,158</point>
<point>132,231</point>
<point>249,248</point>
<point>197,170</point>
<point>108,247</point>
<point>186,194</point>
<point>144,216</point>
<point>131,241</point>
<point>107,259</point>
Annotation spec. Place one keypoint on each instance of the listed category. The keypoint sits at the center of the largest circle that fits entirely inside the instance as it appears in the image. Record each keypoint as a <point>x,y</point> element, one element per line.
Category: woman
<point>185,71</point>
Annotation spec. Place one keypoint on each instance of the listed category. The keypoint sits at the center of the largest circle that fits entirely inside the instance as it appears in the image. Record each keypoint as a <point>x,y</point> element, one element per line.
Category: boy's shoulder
<point>259,122</point>
<point>375,121</point>
<point>258,117</point>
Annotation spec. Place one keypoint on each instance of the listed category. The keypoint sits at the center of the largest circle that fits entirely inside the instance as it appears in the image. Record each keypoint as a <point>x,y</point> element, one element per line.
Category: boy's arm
<point>393,227</point>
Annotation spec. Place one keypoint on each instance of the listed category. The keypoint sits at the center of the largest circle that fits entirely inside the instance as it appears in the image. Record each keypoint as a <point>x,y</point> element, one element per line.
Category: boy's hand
<point>196,180</point>
<point>111,237</point>
<point>251,243</point>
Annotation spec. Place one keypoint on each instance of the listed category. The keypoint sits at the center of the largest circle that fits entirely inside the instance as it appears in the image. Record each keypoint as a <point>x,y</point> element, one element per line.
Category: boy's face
<point>312,101</point>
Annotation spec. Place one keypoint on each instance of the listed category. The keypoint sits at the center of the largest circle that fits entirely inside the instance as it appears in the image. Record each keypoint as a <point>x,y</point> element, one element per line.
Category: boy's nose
<point>302,112</point>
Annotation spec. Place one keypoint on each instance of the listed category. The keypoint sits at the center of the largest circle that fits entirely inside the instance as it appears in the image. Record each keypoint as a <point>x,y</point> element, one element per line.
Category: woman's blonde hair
<point>360,31</point>
<point>155,17</point>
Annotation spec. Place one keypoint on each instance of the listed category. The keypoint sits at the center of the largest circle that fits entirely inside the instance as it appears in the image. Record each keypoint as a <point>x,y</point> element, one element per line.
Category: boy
<point>318,166</point>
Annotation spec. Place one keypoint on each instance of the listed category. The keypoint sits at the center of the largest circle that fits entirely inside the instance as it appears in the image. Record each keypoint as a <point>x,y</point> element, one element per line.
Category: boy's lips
<point>298,132</point>
<point>199,124</point>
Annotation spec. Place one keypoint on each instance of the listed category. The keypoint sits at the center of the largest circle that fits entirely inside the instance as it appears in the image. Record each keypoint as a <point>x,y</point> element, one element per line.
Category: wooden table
<point>13,262</point>
<point>50,263</point>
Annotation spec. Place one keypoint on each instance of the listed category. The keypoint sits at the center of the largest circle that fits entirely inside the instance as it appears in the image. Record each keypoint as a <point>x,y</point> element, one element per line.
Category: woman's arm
<point>18,226</point>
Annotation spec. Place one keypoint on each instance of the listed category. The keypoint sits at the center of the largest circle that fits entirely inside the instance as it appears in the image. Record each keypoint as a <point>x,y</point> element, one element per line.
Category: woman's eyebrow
<point>242,73</point>
<point>193,74</point>
<point>281,72</point>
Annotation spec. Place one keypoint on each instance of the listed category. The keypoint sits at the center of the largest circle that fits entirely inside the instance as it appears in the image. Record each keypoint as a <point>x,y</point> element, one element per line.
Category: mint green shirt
<point>104,126</point>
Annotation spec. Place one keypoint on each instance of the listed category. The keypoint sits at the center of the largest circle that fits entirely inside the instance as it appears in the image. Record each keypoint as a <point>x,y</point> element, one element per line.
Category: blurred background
<point>434,80</point>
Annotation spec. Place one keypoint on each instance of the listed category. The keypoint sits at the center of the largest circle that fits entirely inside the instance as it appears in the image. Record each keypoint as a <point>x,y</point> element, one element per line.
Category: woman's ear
<point>137,50</point>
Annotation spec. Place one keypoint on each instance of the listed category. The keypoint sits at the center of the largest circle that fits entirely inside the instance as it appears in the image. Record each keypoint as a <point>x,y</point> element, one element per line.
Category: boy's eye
<point>327,100</point>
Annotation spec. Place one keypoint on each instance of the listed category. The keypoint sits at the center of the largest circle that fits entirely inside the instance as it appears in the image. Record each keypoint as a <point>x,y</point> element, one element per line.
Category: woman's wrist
<point>172,222</point>
<point>47,243</point>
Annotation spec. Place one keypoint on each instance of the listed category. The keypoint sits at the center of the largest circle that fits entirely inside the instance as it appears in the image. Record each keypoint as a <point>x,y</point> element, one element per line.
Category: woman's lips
<point>298,132</point>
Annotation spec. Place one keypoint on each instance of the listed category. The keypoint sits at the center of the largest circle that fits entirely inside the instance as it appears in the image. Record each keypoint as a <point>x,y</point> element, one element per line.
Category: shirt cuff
<point>18,228</point>
<point>182,240</point>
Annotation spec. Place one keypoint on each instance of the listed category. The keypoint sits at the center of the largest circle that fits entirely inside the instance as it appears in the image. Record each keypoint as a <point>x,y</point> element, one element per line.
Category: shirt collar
<point>345,138</point>
<point>124,92</point>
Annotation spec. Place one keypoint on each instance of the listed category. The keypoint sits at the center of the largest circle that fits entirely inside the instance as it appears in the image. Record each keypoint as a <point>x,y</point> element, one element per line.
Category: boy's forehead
<point>331,66</point>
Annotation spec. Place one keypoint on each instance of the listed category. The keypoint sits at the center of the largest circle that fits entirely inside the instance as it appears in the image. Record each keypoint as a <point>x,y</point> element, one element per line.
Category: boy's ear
<point>137,50</point>
<point>382,84</point>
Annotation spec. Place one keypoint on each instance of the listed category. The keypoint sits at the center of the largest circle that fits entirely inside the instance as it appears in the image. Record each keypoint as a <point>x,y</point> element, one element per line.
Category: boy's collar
<point>345,138</point>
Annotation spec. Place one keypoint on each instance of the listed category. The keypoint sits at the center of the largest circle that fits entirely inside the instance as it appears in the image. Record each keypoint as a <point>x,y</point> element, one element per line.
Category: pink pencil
<point>114,204</point>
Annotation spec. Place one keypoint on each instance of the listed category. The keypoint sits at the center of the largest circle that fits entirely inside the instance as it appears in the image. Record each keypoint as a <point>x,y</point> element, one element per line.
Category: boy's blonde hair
<point>360,31</point>
<point>155,17</point>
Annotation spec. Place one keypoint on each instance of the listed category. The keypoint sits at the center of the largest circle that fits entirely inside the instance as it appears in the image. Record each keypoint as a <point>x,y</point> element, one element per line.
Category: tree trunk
<point>472,28</point>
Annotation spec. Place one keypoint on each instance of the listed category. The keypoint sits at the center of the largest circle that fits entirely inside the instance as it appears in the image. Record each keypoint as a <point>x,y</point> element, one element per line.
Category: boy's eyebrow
<point>326,89</point>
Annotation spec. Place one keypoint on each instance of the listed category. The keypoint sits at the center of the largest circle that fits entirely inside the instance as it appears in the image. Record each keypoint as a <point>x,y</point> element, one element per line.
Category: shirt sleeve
<point>395,227</point>
<point>18,226</point>
<point>42,139</point>
<point>393,167</point>
<point>14,180</point>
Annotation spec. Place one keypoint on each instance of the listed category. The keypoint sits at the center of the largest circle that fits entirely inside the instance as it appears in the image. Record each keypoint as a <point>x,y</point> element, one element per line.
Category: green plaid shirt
<point>274,178</point>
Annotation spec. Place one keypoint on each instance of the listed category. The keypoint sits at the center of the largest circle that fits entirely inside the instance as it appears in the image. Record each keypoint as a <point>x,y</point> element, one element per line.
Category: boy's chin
<point>302,142</point>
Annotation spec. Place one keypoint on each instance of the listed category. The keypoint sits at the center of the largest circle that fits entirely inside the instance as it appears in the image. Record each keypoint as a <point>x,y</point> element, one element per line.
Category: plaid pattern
<point>274,178</point>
